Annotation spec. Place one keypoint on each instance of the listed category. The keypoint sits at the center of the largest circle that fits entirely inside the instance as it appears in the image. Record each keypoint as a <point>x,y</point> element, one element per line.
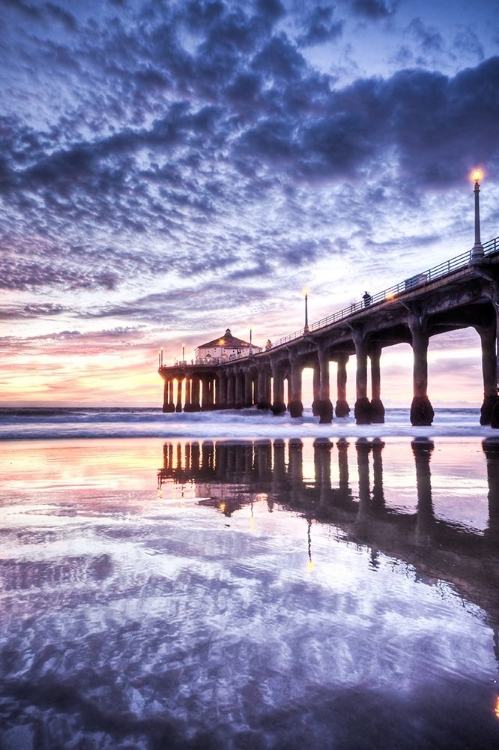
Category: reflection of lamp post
<point>477,250</point>
<point>305,330</point>
<point>310,563</point>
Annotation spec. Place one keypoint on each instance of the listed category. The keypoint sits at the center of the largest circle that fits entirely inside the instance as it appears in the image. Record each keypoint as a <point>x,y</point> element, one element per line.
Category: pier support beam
<point>295,405</point>
<point>205,398</point>
<point>239,396</point>
<point>231,390</point>
<point>195,393</point>
<point>342,408</point>
<point>168,405</point>
<point>180,380</point>
<point>248,388</point>
<point>323,405</point>
<point>315,389</point>
<point>188,394</point>
<point>421,409</point>
<point>278,405</point>
<point>362,404</point>
<point>221,390</point>
<point>489,372</point>
<point>263,389</point>
<point>377,408</point>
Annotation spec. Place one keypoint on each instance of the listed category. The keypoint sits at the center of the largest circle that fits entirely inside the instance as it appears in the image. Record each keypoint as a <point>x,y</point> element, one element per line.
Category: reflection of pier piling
<point>234,473</point>
<point>422,449</point>
<point>491,450</point>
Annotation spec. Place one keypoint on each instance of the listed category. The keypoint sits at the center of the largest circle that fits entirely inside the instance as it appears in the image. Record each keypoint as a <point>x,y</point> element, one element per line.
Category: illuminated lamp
<point>477,249</point>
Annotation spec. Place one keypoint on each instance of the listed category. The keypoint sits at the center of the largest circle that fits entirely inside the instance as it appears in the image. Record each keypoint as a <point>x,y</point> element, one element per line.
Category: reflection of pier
<point>232,474</point>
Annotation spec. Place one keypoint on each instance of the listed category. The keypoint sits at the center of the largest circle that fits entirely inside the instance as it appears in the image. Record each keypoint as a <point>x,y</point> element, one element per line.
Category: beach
<point>216,581</point>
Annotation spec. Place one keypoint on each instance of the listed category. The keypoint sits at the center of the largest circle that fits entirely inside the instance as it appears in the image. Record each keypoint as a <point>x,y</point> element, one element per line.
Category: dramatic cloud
<point>176,164</point>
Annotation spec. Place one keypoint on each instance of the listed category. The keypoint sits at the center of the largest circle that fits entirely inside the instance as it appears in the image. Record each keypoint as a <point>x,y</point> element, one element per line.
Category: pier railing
<point>413,282</point>
<point>420,279</point>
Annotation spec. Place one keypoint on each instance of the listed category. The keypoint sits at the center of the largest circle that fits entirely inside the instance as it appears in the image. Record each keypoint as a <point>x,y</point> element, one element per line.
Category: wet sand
<point>240,594</point>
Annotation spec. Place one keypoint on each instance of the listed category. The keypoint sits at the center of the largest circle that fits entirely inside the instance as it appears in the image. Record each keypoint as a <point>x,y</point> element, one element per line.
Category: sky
<point>171,169</point>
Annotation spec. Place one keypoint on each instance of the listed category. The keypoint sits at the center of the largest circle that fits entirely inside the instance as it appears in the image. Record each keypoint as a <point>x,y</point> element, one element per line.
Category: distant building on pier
<point>225,348</point>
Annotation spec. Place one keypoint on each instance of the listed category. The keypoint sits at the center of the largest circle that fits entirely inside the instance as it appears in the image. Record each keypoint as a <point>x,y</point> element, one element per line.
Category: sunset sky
<point>171,169</point>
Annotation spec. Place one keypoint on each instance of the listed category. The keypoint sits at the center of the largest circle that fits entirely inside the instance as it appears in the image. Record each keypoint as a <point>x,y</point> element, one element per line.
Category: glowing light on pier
<point>305,292</point>
<point>477,249</point>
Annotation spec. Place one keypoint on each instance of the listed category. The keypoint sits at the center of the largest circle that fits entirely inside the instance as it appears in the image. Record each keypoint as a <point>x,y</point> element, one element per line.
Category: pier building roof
<point>227,341</point>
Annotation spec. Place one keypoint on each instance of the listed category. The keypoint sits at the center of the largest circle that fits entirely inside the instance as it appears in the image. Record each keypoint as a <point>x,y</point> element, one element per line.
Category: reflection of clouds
<point>233,626</point>
<point>129,616</point>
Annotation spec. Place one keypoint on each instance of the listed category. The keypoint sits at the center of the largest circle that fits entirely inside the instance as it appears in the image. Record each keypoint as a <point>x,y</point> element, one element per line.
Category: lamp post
<point>477,249</point>
<point>183,353</point>
<point>251,342</point>
<point>305,330</point>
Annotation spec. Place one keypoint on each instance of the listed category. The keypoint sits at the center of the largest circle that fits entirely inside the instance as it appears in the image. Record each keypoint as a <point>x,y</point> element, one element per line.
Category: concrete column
<point>421,409</point>
<point>248,388</point>
<point>239,396</point>
<point>180,380</point>
<point>211,391</point>
<point>205,400</point>
<point>362,404</point>
<point>222,389</point>
<point>425,522</point>
<point>278,405</point>
<point>323,405</point>
<point>342,408</point>
<point>377,408</point>
<point>489,372</point>
<point>195,389</point>
<point>188,394</point>
<point>168,405</point>
<point>295,405</point>
<point>263,397</point>
<point>316,379</point>
<point>231,390</point>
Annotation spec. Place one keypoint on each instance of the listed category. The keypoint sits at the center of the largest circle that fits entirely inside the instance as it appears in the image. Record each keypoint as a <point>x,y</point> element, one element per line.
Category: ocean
<point>54,423</point>
<point>238,580</point>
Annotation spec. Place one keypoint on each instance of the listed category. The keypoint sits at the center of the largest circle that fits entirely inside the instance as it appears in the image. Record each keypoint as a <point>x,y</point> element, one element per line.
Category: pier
<point>459,293</point>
